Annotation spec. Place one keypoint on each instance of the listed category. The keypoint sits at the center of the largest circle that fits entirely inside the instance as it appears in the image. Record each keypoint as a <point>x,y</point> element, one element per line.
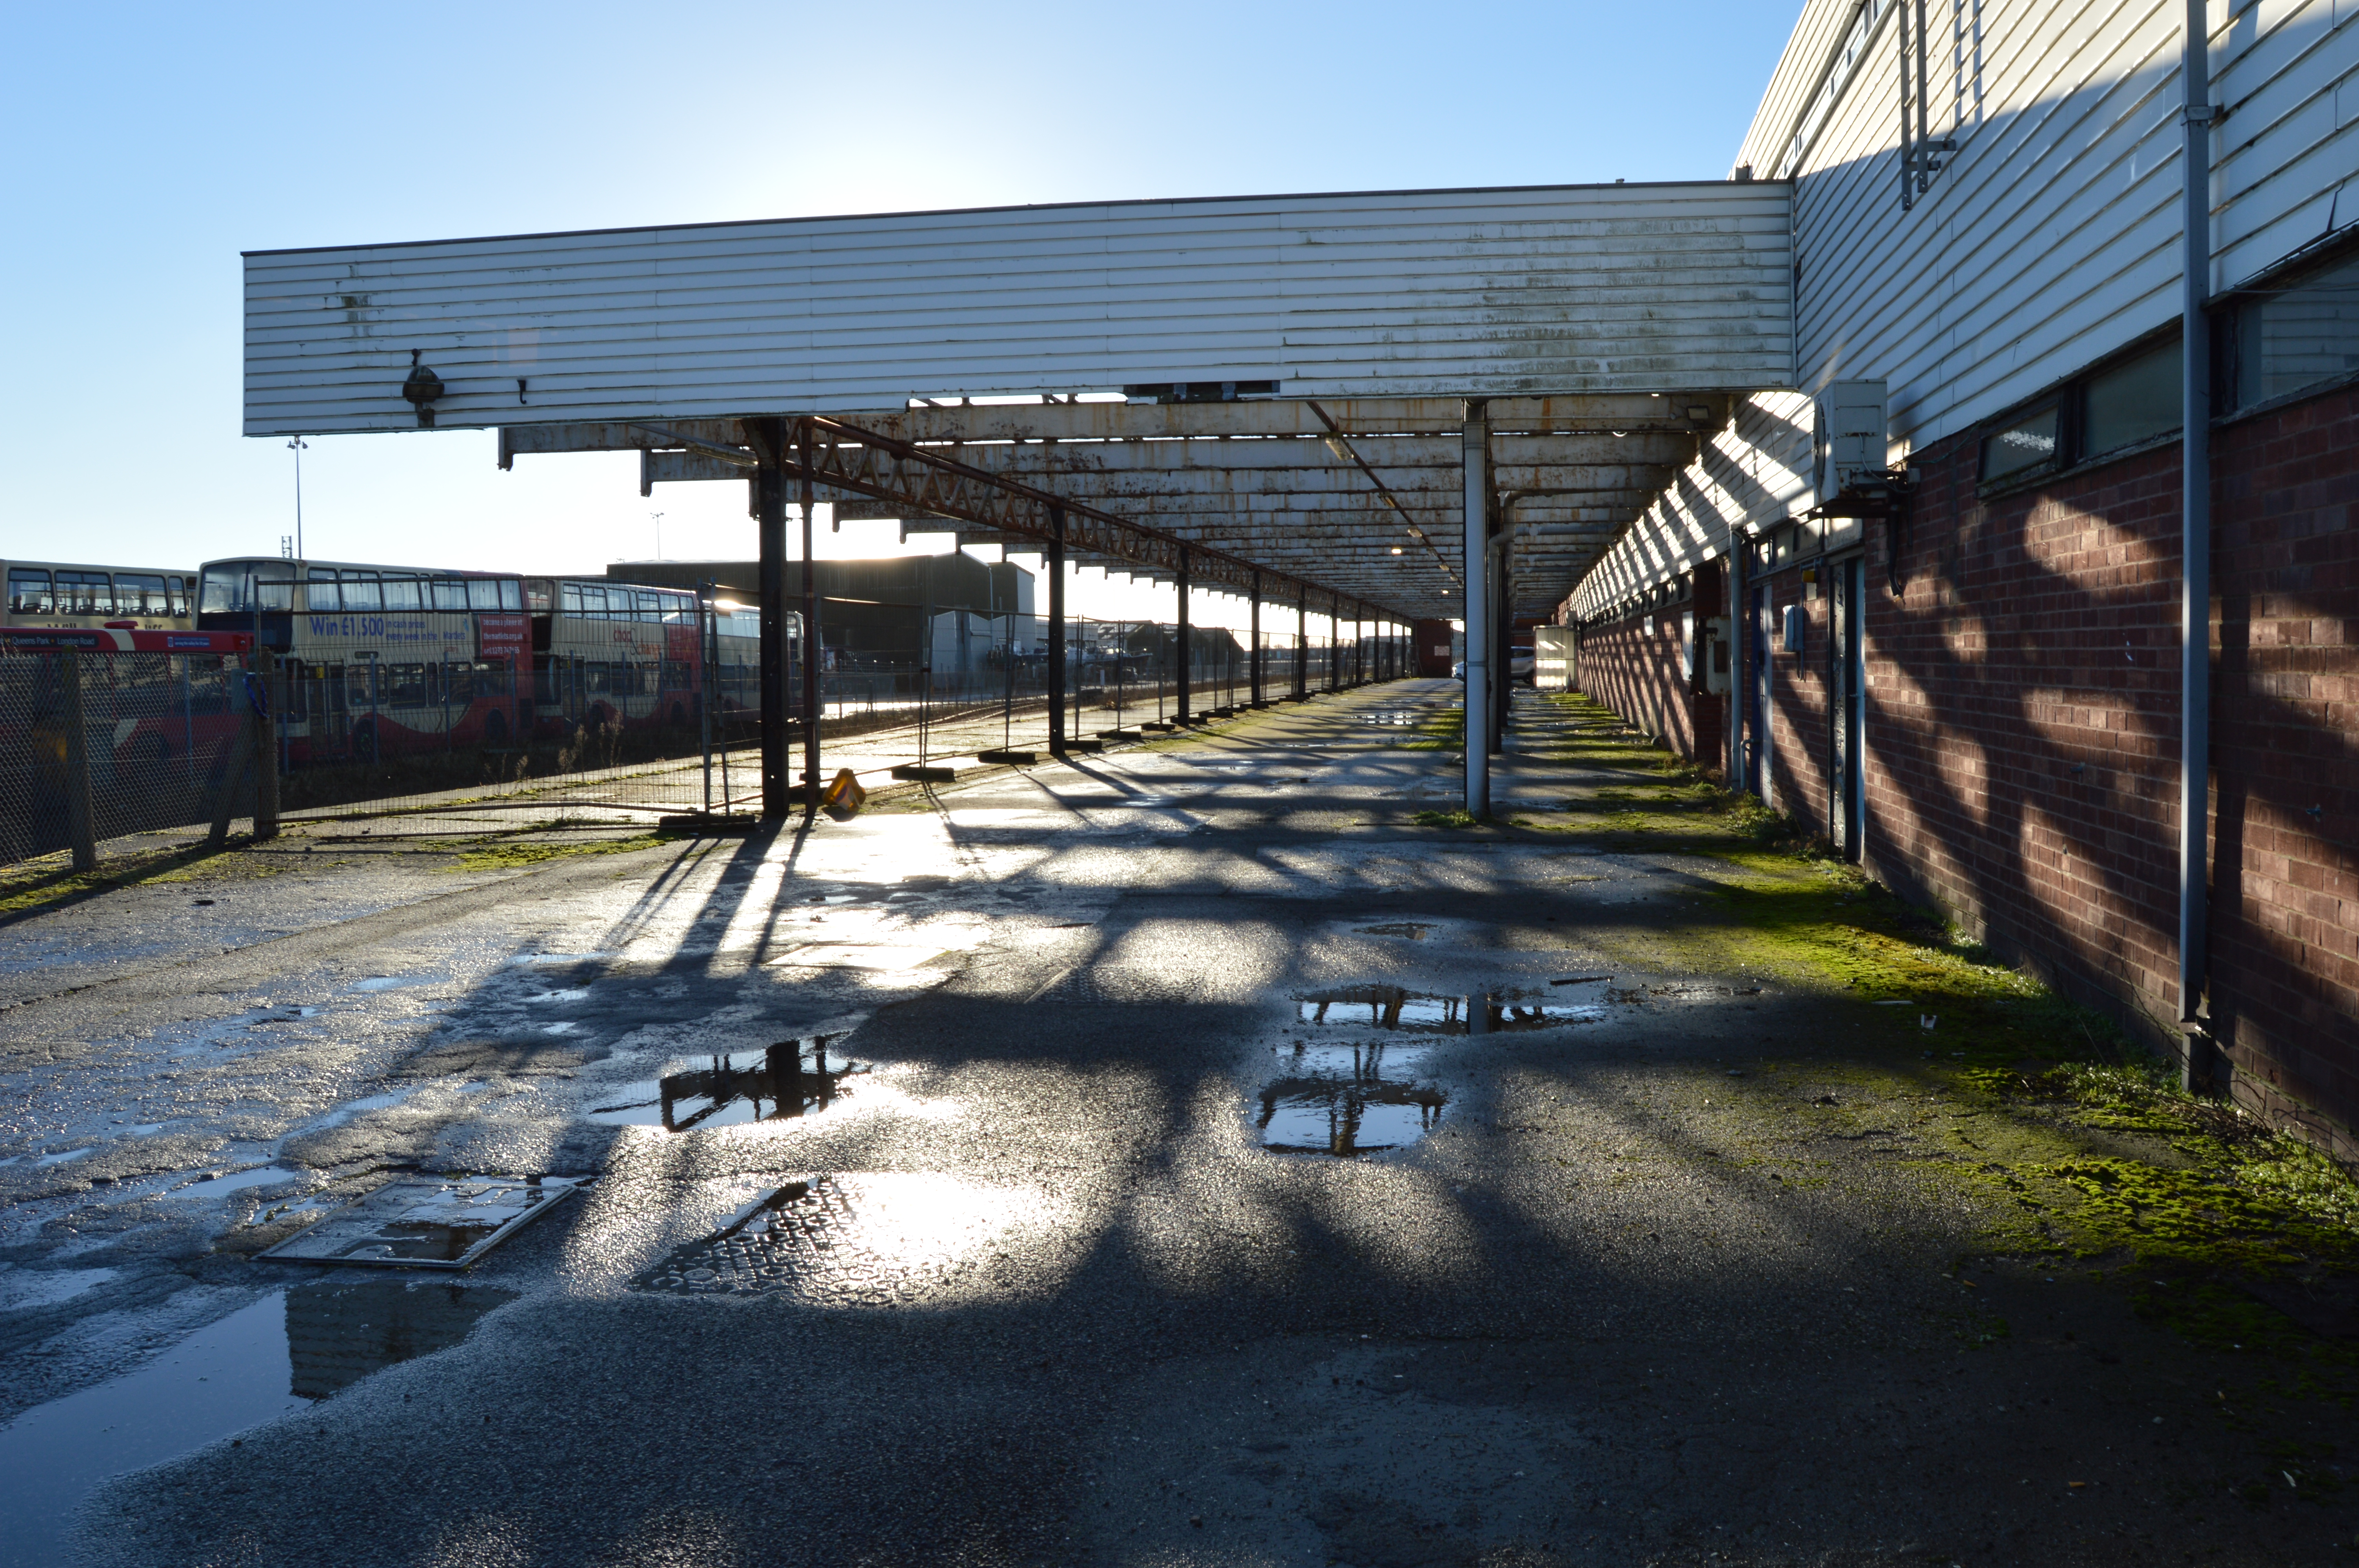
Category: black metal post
<point>770,524</point>
<point>1302,645</point>
<point>1181,713</point>
<point>810,635</point>
<point>1254,681</point>
<point>1056,631</point>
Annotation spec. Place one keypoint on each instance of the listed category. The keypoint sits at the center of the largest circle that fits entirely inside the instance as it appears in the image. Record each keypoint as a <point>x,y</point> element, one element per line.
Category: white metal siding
<point>2052,240</point>
<point>1563,289</point>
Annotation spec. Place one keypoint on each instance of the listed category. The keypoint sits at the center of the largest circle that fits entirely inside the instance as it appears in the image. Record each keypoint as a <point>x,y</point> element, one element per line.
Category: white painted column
<point>1477,610</point>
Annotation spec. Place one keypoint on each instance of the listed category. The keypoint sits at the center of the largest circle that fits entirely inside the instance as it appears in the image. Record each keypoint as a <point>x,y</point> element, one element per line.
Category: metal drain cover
<point>778,1240</point>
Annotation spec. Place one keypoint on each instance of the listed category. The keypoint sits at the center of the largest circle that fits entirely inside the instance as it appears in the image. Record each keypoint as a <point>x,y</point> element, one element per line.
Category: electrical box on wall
<point>1798,627</point>
<point>1715,655</point>
<point>1850,435</point>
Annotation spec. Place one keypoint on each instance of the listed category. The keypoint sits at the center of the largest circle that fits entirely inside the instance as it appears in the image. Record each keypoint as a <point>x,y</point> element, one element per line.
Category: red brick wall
<point>1636,674</point>
<point>2022,734</point>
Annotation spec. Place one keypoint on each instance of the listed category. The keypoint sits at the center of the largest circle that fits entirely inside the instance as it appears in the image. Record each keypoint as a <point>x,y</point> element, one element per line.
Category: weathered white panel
<point>2053,238</point>
<point>1455,293</point>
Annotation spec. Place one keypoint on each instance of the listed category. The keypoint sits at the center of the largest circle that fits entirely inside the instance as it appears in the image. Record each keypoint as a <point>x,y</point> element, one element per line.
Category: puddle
<point>789,1079</point>
<point>238,1180</point>
<point>426,1222</point>
<point>533,960</point>
<point>1406,929</point>
<point>573,993</point>
<point>260,1362</point>
<point>61,1158</point>
<point>388,982</point>
<point>23,1288</point>
<point>893,958</point>
<point>1423,1013</point>
<point>353,1108</point>
<point>1348,1100</point>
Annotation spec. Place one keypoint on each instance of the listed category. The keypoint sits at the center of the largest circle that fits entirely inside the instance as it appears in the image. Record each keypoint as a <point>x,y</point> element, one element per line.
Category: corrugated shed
<point>2052,240</point>
<point>1455,293</point>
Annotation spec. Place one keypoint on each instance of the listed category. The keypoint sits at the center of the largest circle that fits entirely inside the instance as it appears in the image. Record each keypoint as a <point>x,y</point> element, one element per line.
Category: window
<point>236,587</point>
<point>180,596</point>
<point>138,593</point>
<point>2132,402</point>
<point>511,593</point>
<point>29,591</point>
<point>450,594</point>
<point>405,685</point>
<point>361,590</point>
<point>569,599</point>
<point>482,593</point>
<point>2299,335</point>
<point>320,594</point>
<point>402,592</point>
<point>2028,444</point>
<point>85,593</point>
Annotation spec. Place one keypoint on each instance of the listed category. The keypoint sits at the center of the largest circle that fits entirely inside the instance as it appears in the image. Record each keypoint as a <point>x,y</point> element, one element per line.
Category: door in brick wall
<point>1846,703</point>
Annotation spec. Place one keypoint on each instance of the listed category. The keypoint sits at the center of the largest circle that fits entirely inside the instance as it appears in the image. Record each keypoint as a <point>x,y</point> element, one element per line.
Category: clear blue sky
<point>149,145</point>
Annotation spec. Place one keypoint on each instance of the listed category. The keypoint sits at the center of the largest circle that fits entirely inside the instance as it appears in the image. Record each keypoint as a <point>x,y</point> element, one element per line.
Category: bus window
<point>405,685</point>
<point>401,592</point>
<point>536,596</point>
<point>491,679</point>
<point>511,594</point>
<point>360,686</point>
<point>482,593</point>
<point>85,593</point>
<point>675,674</point>
<point>449,594</point>
<point>180,596</point>
<point>321,592</point>
<point>29,591</point>
<point>138,593</point>
<point>361,592</point>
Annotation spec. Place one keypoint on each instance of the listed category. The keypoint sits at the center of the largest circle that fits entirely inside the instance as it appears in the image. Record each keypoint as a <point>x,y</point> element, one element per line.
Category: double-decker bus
<point>122,599</point>
<point>382,660</point>
<point>608,653</point>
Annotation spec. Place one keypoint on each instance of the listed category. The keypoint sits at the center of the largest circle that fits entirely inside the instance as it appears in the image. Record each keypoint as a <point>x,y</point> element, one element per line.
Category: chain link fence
<point>95,746</point>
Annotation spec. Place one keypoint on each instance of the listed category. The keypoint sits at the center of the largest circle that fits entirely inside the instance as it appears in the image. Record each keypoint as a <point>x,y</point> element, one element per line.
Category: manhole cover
<point>785,1235</point>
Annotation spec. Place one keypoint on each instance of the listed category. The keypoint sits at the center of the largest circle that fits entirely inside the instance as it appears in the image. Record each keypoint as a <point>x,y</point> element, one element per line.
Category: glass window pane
<point>273,589</point>
<point>28,590</point>
<point>569,599</point>
<point>2134,401</point>
<point>319,593</point>
<point>361,593</point>
<point>2026,444</point>
<point>450,594</point>
<point>2305,334</point>
<point>593,601</point>
<point>402,593</point>
<point>511,594</point>
<point>482,593</point>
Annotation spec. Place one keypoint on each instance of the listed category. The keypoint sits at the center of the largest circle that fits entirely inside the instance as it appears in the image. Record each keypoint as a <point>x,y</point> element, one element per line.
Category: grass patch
<point>50,882</point>
<point>509,854</point>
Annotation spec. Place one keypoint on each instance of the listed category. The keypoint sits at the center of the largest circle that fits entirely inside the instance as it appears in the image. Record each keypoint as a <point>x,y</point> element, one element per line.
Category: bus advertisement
<point>380,659</point>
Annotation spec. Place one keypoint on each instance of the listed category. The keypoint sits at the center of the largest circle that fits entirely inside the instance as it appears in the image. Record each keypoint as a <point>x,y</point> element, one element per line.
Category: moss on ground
<point>505,853</point>
<point>49,882</point>
<point>2072,1141</point>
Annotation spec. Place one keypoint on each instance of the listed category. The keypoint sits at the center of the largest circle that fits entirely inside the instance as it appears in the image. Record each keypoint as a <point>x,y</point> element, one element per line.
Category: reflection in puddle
<point>1417,1012</point>
<point>1348,1100</point>
<point>789,1080</point>
<point>426,1222</point>
<point>259,1362</point>
<point>339,1333</point>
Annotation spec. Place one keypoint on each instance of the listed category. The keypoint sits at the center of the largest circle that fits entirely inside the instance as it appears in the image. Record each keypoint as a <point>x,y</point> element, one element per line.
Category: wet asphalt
<point>1037,1290</point>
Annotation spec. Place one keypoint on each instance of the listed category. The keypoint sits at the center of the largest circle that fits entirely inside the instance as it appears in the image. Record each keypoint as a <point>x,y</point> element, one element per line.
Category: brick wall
<point>2022,734</point>
<point>1636,673</point>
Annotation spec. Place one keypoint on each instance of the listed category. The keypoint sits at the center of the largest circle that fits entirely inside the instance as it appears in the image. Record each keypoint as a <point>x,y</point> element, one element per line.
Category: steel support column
<point>1181,712</point>
<point>769,436</point>
<point>810,639</point>
<point>1476,463</point>
<point>1255,635</point>
<point>1303,647</point>
<point>1056,566</point>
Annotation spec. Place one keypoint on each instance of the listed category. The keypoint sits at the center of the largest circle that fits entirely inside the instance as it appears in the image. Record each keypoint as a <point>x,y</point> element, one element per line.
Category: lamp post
<point>296,446</point>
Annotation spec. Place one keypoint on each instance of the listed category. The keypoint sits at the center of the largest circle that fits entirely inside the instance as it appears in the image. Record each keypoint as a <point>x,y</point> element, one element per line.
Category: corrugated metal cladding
<point>1451,293</point>
<point>2052,239</point>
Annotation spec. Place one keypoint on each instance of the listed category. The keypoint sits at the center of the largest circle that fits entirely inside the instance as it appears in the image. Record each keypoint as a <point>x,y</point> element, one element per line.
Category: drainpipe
<point>1477,610</point>
<point>2195,550</point>
<point>1736,608</point>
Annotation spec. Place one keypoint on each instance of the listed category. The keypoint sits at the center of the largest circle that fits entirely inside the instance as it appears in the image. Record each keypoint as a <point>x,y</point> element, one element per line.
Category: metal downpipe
<point>2195,550</point>
<point>1477,610</point>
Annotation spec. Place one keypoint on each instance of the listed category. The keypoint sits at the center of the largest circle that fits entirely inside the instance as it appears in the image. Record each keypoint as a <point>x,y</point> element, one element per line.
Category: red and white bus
<point>629,656</point>
<point>382,660</point>
<point>122,599</point>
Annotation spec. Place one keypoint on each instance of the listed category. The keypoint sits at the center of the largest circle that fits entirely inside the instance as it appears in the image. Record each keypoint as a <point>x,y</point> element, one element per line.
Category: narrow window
<point>2028,443</point>
<point>2132,402</point>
